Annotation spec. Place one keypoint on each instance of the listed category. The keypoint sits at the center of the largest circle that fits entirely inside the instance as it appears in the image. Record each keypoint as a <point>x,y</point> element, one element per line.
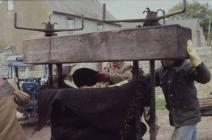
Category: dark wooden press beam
<point>148,43</point>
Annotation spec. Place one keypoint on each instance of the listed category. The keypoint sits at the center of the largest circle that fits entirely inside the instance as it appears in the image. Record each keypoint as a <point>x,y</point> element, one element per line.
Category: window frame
<point>100,27</point>
<point>71,25</point>
<point>10,5</point>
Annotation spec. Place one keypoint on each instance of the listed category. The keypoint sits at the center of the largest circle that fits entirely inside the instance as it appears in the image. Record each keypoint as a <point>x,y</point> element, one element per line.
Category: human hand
<point>194,58</point>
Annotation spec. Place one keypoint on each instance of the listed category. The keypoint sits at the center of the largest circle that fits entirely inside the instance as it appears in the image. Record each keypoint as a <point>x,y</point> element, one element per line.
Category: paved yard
<point>165,131</point>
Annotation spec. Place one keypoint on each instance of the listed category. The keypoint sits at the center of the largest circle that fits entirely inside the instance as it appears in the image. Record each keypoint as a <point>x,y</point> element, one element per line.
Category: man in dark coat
<point>176,78</point>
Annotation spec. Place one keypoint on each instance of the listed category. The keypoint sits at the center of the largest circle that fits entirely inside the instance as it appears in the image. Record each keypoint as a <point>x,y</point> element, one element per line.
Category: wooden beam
<point>132,44</point>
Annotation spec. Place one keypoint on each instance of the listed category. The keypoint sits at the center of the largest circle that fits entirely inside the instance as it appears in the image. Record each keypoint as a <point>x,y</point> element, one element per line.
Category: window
<point>10,6</point>
<point>71,23</point>
<point>100,27</point>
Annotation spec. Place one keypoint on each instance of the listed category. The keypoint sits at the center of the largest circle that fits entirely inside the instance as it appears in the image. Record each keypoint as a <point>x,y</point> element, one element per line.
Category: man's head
<point>116,64</point>
<point>84,77</point>
<point>167,63</point>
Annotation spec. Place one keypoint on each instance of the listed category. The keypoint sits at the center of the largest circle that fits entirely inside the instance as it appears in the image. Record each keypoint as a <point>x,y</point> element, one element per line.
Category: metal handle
<point>163,12</point>
<point>47,30</point>
<point>143,20</point>
<point>24,28</point>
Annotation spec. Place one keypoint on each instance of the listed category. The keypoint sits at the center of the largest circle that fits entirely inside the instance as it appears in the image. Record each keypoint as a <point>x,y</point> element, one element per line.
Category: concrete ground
<point>165,131</point>
<point>44,134</point>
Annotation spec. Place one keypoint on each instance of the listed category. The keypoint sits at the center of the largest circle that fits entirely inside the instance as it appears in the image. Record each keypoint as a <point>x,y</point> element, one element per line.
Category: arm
<point>116,77</point>
<point>20,97</point>
<point>125,74</point>
<point>199,72</point>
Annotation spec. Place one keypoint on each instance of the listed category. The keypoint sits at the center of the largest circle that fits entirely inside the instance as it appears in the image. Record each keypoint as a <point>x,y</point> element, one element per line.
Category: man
<point>117,71</point>
<point>10,129</point>
<point>176,78</point>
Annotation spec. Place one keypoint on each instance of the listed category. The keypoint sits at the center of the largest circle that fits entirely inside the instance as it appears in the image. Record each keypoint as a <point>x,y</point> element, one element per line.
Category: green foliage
<point>195,10</point>
<point>160,104</point>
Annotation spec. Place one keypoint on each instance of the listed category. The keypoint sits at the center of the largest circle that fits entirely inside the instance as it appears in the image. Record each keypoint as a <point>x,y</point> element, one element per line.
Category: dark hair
<point>84,77</point>
<point>177,62</point>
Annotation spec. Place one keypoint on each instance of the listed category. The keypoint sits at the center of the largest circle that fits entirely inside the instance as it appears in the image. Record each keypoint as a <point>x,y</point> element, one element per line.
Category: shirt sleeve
<point>200,74</point>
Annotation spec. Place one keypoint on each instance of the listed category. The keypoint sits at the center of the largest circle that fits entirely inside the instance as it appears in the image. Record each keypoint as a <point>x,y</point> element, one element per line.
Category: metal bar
<point>85,18</point>
<point>145,20</point>
<point>163,12</point>
<point>152,106</point>
<point>24,28</point>
<point>47,30</point>
<point>50,78</point>
<point>104,12</point>
<point>59,75</point>
<point>135,72</point>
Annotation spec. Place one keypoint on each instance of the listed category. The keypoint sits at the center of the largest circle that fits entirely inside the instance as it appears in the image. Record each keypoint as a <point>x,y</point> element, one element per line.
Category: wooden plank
<point>207,102</point>
<point>132,44</point>
<point>206,106</point>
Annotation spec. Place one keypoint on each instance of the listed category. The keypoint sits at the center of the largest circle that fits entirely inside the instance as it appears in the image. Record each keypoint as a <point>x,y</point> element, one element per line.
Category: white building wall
<point>198,37</point>
<point>90,27</point>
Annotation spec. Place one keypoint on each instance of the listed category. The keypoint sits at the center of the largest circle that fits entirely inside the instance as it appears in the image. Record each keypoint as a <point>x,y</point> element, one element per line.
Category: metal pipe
<point>163,12</point>
<point>104,12</point>
<point>146,20</point>
<point>59,75</point>
<point>136,77</point>
<point>47,30</point>
<point>50,78</point>
<point>135,70</point>
<point>24,28</point>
